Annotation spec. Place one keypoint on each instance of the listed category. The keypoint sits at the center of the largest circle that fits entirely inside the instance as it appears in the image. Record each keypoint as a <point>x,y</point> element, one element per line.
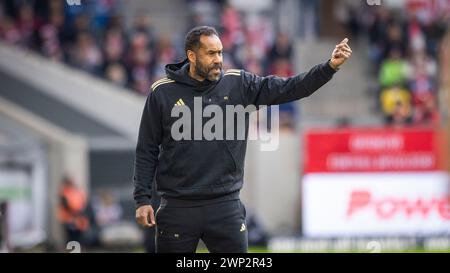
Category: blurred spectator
<point>117,74</point>
<point>107,210</point>
<point>103,10</point>
<point>426,111</point>
<point>113,67</point>
<point>393,70</point>
<point>415,35</point>
<point>253,65</point>
<point>166,53</point>
<point>232,31</point>
<point>400,116</point>
<point>395,41</point>
<point>434,31</point>
<point>142,25</point>
<point>49,37</point>
<point>281,49</point>
<point>26,25</point>
<point>113,46</point>
<point>139,61</point>
<point>283,68</point>
<point>422,85</point>
<point>246,54</point>
<point>390,96</point>
<point>73,203</point>
<point>81,24</point>
<point>9,32</point>
<point>85,54</point>
<point>378,30</point>
<point>422,64</point>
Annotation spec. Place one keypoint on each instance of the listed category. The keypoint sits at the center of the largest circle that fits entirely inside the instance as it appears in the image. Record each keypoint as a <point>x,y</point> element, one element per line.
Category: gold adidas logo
<point>179,102</point>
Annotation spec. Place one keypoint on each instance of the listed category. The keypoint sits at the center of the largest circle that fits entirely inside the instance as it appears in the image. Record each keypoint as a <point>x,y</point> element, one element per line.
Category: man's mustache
<point>218,66</point>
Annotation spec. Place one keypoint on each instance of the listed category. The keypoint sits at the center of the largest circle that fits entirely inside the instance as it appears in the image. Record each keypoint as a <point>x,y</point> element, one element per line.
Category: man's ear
<point>191,56</point>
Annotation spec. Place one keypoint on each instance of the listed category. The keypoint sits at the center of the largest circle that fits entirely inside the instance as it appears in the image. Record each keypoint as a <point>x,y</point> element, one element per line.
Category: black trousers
<point>221,226</point>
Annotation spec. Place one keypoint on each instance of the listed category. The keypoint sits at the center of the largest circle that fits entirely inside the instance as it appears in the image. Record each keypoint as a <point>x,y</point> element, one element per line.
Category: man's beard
<point>206,72</point>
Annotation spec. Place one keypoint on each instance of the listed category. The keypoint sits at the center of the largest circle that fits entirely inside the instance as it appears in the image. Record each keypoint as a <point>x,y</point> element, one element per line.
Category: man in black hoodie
<point>199,178</point>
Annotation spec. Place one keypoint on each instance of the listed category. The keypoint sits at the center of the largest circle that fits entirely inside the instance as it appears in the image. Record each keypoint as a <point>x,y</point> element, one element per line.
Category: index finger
<point>344,41</point>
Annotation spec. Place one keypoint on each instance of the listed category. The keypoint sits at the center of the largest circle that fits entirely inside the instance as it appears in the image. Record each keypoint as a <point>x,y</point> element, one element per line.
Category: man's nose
<point>217,59</point>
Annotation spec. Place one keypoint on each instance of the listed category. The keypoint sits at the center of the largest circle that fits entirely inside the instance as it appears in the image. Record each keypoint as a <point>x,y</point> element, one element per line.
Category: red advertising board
<point>431,6</point>
<point>373,150</point>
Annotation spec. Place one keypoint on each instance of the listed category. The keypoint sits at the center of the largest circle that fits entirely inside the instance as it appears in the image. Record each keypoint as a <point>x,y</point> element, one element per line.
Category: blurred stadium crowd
<point>404,48</point>
<point>93,37</point>
<point>90,37</point>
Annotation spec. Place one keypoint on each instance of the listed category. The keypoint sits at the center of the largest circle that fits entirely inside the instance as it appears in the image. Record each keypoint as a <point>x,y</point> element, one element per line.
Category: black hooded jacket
<point>200,170</point>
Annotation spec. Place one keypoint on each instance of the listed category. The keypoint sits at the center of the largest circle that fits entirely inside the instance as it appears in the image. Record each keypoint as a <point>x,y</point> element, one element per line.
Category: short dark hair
<point>192,41</point>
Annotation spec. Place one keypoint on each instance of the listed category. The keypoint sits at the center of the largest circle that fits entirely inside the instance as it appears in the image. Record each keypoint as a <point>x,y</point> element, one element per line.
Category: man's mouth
<point>216,69</point>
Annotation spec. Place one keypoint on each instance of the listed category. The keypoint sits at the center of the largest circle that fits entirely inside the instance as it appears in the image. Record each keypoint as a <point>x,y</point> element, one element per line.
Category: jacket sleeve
<point>276,90</point>
<point>147,151</point>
